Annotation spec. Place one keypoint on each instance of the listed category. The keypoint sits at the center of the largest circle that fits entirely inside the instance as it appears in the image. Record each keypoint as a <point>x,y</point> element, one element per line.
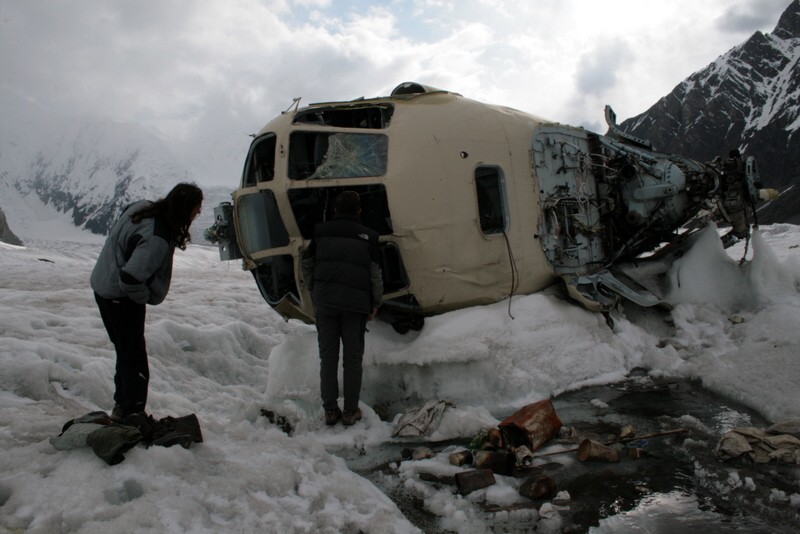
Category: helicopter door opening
<point>260,162</point>
<point>311,206</point>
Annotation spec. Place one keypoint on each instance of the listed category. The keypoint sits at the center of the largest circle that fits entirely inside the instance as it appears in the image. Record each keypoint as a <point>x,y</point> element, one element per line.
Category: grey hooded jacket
<point>136,260</point>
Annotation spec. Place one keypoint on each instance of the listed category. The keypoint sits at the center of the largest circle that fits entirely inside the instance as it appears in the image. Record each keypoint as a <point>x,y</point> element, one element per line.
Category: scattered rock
<point>539,488</point>
<point>6,235</point>
<point>469,481</point>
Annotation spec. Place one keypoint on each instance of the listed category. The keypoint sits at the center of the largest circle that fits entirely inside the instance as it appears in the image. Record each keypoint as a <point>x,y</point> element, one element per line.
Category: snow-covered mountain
<point>97,167</point>
<point>85,168</point>
<point>748,99</point>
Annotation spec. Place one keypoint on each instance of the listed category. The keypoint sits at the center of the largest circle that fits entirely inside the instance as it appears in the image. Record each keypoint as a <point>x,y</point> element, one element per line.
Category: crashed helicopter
<point>474,203</point>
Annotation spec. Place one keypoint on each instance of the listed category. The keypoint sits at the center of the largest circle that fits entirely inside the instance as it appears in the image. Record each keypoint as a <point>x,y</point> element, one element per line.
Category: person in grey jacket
<point>135,269</point>
<point>340,268</point>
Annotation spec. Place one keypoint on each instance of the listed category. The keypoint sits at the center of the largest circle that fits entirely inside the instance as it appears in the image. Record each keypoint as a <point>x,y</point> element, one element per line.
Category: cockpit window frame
<point>260,163</point>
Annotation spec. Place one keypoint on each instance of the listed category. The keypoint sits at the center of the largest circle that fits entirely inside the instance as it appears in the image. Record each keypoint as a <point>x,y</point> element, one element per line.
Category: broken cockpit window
<point>373,117</point>
<point>319,155</point>
<point>275,279</point>
<point>260,162</point>
<point>260,224</point>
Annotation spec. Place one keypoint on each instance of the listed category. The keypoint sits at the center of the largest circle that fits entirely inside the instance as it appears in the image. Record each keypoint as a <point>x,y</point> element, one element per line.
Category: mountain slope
<point>748,99</point>
<point>87,168</point>
<point>97,168</point>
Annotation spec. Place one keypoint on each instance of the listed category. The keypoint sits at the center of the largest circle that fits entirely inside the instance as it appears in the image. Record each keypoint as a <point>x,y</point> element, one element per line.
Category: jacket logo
<point>365,237</point>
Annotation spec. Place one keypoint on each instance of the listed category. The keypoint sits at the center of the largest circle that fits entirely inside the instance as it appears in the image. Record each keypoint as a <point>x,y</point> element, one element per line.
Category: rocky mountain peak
<point>748,99</point>
<point>788,26</point>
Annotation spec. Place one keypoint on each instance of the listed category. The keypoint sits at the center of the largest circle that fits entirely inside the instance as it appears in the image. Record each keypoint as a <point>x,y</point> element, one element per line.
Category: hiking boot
<point>351,416</point>
<point>117,414</point>
<point>174,438</point>
<point>332,416</point>
<point>144,422</point>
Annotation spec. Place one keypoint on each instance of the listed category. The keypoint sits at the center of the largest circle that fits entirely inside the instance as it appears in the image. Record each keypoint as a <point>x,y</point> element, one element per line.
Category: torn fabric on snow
<point>422,421</point>
<point>761,446</point>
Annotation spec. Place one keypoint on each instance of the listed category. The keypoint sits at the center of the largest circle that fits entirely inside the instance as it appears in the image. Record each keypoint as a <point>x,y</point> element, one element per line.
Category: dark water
<point>676,485</point>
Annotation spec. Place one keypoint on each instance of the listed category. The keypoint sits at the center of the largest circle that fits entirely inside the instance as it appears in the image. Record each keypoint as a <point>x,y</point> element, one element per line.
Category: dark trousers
<point>124,322</point>
<point>334,326</point>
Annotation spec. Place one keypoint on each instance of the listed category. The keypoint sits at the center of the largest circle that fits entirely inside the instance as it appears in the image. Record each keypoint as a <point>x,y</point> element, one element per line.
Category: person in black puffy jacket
<point>340,268</point>
<point>134,269</point>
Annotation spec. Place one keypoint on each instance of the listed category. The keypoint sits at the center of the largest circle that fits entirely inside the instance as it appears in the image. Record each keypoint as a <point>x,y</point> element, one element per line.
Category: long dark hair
<point>176,210</point>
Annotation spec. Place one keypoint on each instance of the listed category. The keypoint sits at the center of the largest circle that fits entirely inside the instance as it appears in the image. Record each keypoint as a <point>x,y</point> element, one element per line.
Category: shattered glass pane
<point>352,156</point>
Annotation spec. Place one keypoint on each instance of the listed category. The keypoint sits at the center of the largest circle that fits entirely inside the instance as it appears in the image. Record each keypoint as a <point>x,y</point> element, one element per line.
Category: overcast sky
<point>212,71</point>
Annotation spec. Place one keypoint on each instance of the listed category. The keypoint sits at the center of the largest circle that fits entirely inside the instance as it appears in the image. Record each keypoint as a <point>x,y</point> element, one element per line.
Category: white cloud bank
<point>209,73</point>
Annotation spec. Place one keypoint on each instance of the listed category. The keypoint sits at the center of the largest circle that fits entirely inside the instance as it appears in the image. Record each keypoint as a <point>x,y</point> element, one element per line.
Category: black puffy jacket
<point>339,265</point>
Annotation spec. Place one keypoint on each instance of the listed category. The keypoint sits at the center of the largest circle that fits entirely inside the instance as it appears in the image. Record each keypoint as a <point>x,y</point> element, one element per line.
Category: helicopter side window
<point>260,223</point>
<point>260,165</point>
<point>320,155</point>
<point>492,206</point>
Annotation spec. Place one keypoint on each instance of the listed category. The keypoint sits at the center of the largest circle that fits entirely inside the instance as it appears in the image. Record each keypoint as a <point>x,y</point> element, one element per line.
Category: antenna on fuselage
<point>295,104</point>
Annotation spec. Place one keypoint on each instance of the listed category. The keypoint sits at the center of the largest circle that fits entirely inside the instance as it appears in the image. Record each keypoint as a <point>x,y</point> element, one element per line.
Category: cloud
<point>213,69</point>
<point>597,69</point>
<point>750,16</point>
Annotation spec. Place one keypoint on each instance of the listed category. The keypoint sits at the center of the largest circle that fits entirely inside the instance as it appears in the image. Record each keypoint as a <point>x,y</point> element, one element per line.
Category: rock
<point>6,235</point>
<point>539,488</point>
<point>469,481</point>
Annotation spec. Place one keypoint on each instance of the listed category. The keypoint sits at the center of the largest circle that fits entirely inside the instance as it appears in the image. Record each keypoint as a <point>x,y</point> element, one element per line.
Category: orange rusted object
<point>532,425</point>
<point>592,450</point>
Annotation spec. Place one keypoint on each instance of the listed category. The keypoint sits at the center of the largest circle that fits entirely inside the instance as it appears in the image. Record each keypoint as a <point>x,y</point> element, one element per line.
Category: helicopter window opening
<point>492,206</point>
<point>260,165</point>
<point>260,224</point>
<point>315,205</point>
<point>392,269</point>
<point>372,117</point>
<point>319,155</point>
<point>275,279</point>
